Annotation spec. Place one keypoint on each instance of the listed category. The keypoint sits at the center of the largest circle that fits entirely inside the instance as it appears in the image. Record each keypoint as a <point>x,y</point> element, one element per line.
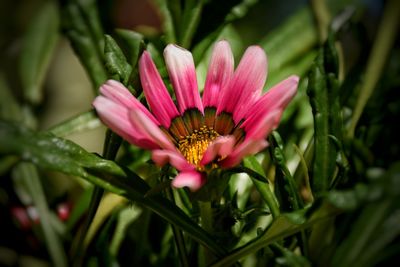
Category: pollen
<point>194,145</point>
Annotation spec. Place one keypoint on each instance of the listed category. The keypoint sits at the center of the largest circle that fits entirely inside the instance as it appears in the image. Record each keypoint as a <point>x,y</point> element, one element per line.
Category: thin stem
<point>206,218</point>
<point>383,43</point>
<point>178,235</point>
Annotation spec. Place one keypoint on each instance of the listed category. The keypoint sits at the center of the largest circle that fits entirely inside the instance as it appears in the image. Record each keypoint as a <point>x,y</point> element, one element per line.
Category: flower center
<point>195,144</point>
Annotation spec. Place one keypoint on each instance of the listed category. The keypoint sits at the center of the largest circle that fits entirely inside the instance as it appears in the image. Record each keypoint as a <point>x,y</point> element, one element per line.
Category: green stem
<point>206,218</point>
<point>383,43</point>
<point>178,235</point>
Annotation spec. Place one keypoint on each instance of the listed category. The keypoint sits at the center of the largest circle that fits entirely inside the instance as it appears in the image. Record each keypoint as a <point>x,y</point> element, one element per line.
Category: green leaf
<point>323,91</point>
<point>190,21</point>
<point>29,174</point>
<point>38,45</point>
<point>132,43</point>
<point>53,153</point>
<point>81,24</point>
<point>116,64</point>
<point>168,23</point>
<point>81,122</point>
<point>263,188</point>
<point>285,186</point>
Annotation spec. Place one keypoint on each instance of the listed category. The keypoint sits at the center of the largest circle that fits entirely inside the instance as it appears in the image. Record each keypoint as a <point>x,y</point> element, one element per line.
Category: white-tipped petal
<point>182,73</point>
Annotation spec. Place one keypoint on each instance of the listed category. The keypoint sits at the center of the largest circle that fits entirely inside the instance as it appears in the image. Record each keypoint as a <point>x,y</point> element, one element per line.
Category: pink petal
<point>173,157</point>
<point>248,147</point>
<point>156,93</point>
<point>277,98</point>
<point>182,73</point>
<point>153,132</point>
<point>222,146</point>
<point>116,117</point>
<point>264,126</point>
<point>246,84</point>
<point>192,179</point>
<point>220,71</point>
<point>118,93</point>
<point>254,141</point>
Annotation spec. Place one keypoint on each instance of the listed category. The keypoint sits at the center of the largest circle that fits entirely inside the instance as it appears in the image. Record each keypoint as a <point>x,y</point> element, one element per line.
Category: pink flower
<point>231,121</point>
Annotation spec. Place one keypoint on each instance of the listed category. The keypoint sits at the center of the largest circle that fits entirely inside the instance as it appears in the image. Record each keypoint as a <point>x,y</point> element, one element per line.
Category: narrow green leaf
<point>91,16</point>
<point>30,176</point>
<point>38,45</point>
<point>81,26</point>
<point>324,160</point>
<point>191,18</point>
<point>168,23</point>
<point>285,186</point>
<point>323,91</point>
<point>263,188</point>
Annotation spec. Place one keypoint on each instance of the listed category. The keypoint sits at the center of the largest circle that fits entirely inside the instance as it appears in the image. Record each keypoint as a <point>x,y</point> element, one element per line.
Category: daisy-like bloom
<point>230,121</point>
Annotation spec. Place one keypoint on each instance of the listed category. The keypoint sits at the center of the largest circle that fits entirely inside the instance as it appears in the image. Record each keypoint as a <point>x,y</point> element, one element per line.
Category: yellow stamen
<point>194,145</point>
